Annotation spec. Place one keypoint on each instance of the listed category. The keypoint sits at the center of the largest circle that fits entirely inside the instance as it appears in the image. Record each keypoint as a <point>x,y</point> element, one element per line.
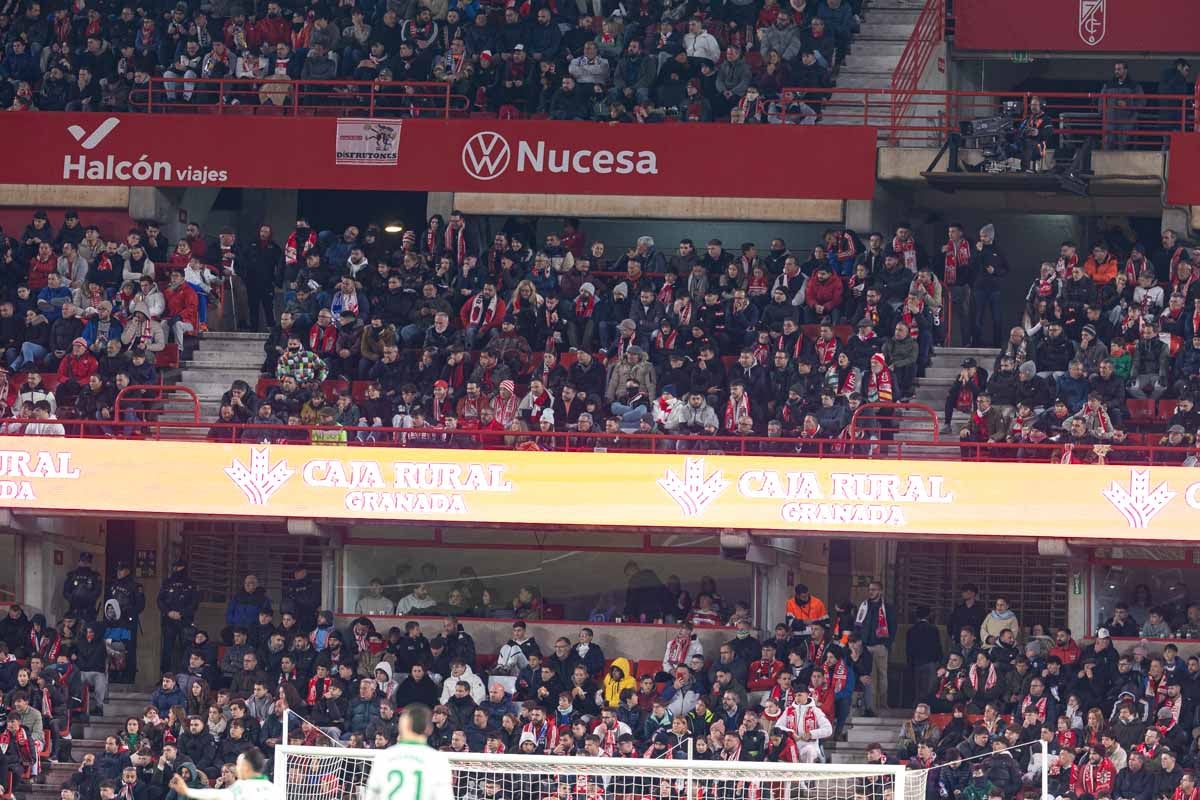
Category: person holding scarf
<point>880,388</point>
<point>876,626</point>
<point>481,314</point>
<point>581,328</point>
<point>957,274</point>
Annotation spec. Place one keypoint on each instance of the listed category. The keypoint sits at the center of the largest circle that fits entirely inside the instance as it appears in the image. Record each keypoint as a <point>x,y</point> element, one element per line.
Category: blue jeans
<point>630,415</point>
<point>31,353</point>
<point>202,295</point>
<point>987,301</point>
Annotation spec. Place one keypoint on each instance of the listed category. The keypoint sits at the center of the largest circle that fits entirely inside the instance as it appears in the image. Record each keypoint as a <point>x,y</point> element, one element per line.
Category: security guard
<point>177,601</point>
<point>131,599</point>
<point>82,589</point>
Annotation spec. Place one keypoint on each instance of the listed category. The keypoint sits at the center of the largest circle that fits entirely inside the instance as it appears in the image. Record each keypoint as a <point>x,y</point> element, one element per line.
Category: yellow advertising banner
<point>684,490</point>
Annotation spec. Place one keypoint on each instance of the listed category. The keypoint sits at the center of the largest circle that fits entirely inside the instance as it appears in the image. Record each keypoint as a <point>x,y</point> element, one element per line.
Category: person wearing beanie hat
<point>581,329</point>
<point>74,371</point>
<point>505,403</point>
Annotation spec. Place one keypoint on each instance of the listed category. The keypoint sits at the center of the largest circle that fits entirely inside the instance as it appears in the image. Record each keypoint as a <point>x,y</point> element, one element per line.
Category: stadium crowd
<point>611,61</point>
<point>1117,724</point>
<point>513,337</point>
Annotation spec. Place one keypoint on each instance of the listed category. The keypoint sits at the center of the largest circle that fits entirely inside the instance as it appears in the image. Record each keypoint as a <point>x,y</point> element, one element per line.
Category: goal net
<point>325,773</point>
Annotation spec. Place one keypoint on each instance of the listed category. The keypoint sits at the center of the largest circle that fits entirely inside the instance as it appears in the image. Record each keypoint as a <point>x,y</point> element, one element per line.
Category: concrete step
<point>240,336</point>
<point>881,28</point>
<point>867,61</point>
<point>849,78</point>
<point>869,47</point>
<point>892,16</point>
<point>964,352</point>
<point>225,361</point>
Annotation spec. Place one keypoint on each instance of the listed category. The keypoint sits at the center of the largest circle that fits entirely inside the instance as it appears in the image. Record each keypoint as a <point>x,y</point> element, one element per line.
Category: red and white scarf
<point>907,252</point>
<point>958,258</point>
<point>480,312</point>
<point>988,683</point>
<point>456,243</point>
<point>881,625</point>
<point>735,410</point>
<point>826,351</point>
<point>584,306</point>
<point>1039,704</point>
<point>879,386</point>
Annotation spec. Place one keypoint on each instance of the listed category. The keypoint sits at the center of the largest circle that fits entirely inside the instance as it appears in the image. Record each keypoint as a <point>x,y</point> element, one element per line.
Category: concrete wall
<point>690,208</point>
<point>64,196</point>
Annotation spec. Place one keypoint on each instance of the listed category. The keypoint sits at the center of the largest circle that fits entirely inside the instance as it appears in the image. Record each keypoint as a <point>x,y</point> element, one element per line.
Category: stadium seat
<point>1166,408</point>
<point>1141,412</point>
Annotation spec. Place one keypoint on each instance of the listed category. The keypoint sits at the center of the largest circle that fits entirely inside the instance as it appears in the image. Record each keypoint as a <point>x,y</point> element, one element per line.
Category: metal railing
<point>873,436</point>
<point>928,33</point>
<point>279,95</point>
<point>928,116</point>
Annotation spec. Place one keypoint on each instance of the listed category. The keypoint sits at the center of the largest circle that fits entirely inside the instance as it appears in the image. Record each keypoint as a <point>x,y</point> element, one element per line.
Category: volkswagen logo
<point>485,156</point>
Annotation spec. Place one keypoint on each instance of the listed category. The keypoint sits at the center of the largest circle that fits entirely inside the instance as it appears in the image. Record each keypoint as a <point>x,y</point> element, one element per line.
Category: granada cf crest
<point>1093,16</point>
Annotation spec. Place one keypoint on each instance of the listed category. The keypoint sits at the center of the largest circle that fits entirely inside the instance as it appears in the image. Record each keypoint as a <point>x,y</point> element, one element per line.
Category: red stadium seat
<point>1141,412</point>
<point>1166,408</point>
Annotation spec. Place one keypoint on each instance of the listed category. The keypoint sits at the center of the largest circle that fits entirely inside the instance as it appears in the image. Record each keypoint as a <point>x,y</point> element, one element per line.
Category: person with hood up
<point>320,634</point>
<point>460,671</point>
<point>1000,618</point>
<point>42,641</point>
<point>618,679</point>
<point>386,685</point>
<point>191,775</point>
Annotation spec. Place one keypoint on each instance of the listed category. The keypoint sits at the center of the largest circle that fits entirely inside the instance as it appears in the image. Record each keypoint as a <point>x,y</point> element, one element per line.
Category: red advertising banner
<point>1103,26</point>
<point>1183,170</point>
<point>536,157</point>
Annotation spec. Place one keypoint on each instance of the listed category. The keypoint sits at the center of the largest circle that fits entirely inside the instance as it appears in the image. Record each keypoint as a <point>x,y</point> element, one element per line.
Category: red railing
<point>875,438</point>
<point>270,96</point>
<point>928,33</point>
<point>931,115</point>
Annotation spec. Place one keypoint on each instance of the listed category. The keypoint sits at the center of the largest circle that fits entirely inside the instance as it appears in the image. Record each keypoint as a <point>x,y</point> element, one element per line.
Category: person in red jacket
<point>183,307</point>
<point>40,266</point>
<point>73,372</point>
<point>823,295</point>
<point>274,28</point>
<point>760,679</point>
<point>480,314</point>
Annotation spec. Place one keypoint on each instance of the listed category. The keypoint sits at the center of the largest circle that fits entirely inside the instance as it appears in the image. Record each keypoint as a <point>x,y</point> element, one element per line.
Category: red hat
<point>442,384</point>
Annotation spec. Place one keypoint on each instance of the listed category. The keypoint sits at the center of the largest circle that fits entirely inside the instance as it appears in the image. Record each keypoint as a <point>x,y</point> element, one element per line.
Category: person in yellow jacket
<point>618,678</point>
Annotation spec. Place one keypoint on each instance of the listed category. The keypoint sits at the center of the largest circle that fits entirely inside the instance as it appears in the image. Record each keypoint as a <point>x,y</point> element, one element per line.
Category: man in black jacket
<point>177,602</point>
<point>303,592</point>
<point>990,267</point>
<point>130,602</point>
<point>82,589</point>
<point>260,266</point>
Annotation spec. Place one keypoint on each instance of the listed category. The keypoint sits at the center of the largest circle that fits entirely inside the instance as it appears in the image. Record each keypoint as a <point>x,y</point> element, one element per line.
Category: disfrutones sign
<point>532,157</point>
<point>664,490</point>
<point>1103,26</point>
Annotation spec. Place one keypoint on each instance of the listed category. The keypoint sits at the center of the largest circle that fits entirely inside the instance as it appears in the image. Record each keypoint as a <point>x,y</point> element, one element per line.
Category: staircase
<point>219,360</point>
<point>123,701</point>
<point>862,731</point>
<point>875,52</point>
<point>915,426</point>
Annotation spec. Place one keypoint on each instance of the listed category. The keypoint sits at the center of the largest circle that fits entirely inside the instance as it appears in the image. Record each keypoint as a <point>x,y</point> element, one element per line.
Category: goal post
<point>332,773</point>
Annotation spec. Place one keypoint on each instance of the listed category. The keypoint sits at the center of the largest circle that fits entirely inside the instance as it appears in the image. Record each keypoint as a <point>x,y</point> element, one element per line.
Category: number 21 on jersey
<point>404,784</point>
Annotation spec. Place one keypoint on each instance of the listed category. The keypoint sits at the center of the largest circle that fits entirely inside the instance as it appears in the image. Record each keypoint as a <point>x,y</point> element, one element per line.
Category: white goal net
<point>330,773</point>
